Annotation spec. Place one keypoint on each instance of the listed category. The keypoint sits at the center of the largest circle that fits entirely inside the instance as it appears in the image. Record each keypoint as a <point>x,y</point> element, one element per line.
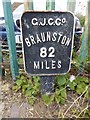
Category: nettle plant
<point>30,87</point>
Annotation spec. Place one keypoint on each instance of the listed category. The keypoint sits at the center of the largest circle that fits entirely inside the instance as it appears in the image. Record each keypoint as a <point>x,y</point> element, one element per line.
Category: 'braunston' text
<point>48,37</point>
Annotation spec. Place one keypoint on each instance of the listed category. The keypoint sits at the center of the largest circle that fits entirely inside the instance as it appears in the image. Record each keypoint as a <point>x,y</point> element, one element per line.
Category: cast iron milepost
<point>47,45</point>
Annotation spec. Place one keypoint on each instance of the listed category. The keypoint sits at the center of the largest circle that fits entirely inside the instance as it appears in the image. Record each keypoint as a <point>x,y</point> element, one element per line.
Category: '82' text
<point>44,52</point>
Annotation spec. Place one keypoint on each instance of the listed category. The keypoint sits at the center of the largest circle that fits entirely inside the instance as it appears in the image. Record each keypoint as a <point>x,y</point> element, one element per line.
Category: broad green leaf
<point>85,79</point>
<point>17,77</point>
<point>77,81</point>
<point>36,86</point>
<point>87,95</point>
<point>82,79</point>
<point>31,100</point>
<point>24,87</point>
<point>22,77</point>
<point>19,82</point>
<point>62,100</point>
<point>16,88</point>
<point>36,78</point>
<point>78,90</point>
<point>25,81</point>
<point>87,112</point>
<point>63,93</point>
<point>72,85</point>
<point>57,92</point>
<point>57,98</point>
<point>30,81</point>
<point>28,93</point>
<point>81,88</point>
<point>61,80</point>
<point>47,99</point>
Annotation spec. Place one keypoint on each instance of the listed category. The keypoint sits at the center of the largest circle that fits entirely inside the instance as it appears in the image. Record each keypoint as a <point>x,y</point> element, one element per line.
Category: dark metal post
<point>47,82</point>
<point>47,85</point>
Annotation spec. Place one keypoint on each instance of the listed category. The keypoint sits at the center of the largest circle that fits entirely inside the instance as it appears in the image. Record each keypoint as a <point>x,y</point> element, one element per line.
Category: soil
<point>15,105</point>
